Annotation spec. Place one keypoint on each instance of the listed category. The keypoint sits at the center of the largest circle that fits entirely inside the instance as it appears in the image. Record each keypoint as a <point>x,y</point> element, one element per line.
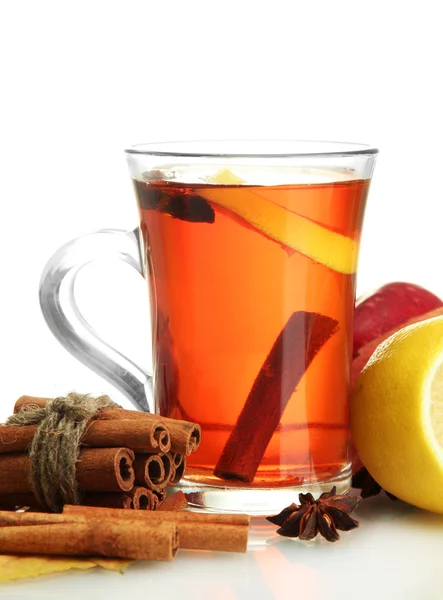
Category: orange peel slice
<point>327,247</point>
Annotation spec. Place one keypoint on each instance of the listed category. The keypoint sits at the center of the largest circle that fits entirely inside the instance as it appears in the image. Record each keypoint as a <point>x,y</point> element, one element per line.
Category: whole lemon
<point>397,414</point>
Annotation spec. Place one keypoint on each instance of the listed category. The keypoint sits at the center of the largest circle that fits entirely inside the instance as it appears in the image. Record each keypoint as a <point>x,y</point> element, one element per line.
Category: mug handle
<point>61,313</point>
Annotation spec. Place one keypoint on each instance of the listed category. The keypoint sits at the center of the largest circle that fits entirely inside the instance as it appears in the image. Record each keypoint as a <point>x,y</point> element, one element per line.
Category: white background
<point>80,80</point>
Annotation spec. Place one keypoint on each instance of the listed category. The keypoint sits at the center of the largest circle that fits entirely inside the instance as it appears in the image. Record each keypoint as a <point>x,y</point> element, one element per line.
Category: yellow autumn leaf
<point>112,564</point>
<point>26,566</point>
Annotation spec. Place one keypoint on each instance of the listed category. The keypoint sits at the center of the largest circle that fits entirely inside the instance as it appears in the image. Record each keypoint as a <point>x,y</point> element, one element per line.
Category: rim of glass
<point>277,148</point>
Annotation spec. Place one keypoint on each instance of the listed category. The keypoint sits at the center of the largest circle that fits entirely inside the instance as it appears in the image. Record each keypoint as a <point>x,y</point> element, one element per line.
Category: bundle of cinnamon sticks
<point>127,458</point>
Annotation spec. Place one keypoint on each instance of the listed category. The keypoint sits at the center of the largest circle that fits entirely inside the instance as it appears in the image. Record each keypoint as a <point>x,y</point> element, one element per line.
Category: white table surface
<point>396,553</point>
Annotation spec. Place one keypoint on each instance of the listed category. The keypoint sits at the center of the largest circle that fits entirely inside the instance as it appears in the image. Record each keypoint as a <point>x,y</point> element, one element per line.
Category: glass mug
<point>250,252</point>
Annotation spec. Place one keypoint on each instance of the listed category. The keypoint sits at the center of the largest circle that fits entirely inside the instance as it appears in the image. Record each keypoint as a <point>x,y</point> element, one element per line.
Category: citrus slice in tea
<point>323,245</point>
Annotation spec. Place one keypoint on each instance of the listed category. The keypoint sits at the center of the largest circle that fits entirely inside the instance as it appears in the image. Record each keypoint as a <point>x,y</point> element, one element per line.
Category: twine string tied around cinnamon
<point>55,448</point>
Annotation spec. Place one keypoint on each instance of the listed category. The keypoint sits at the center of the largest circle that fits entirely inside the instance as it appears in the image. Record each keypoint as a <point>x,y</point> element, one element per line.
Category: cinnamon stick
<point>106,469</point>
<point>13,501</point>
<point>143,499</point>
<point>149,436</point>
<point>179,462</point>
<point>160,516</point>
<point>16,438</point>
<point>159,496</point>
<point>139,498</point>
<point>11,518</point>
<point>193,535</point>
<point>176,458</point>
<point>168,465</point>
<point>301,339</point>
<point>30,401</point>
<point>93,538</point>
<point>176,501</point>
<point>98,470</point>
<point>185,436</point>
<point>199,533</point>
<point>14,474</point>
<point>110,500</point>
<point>214,537</point>
<point>150,471</point>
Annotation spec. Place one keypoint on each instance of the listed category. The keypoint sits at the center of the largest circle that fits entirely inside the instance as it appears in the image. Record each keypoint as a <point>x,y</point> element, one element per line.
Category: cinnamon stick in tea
<point>303,336</point>
<point>151,436</point>
<point>93,538</point>
<point>98,470</point>
<point>185,436</point>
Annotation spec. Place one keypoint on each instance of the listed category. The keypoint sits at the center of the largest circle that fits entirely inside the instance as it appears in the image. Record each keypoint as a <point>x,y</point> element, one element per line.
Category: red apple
<point>381,314</point>
<point>366,351</point>
<point>388,308</point>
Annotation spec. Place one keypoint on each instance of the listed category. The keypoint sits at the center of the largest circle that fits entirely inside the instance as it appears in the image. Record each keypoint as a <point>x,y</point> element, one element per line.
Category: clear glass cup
<point>250,252</point>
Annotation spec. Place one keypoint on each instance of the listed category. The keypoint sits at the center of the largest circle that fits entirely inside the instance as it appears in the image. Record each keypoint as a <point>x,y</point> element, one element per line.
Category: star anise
<point>366,483</point>
<point>325,515</point>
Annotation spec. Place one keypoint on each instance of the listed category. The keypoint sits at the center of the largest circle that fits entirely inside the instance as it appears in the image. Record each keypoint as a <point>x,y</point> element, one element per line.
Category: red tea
<point>232,268</point>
